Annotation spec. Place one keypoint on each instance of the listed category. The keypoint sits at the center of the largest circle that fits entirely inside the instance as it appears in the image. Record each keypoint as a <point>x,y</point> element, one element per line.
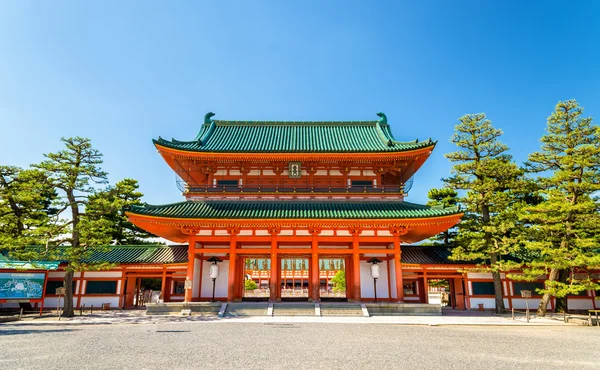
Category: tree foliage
<point>488,180</point>
<point>109,204</point>
<point>26,198</point>
<point>562,230</point>
<point>339,281</point>
<point>75,172</point>
<point>250,284</point>
<point>444,198</point>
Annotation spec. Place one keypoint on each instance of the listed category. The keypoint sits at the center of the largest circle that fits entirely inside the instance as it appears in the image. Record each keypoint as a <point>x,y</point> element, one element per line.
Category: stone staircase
<point>341,309</point>
<point>241,309</point>
<point>294,309</point>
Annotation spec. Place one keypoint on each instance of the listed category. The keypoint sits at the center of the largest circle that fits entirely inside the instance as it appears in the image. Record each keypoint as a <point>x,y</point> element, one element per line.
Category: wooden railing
<point>295,189</point>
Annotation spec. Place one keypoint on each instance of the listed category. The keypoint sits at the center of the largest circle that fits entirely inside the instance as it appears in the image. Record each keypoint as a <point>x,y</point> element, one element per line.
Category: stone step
<point>294,309</point>
<point>246,309</point>
<point>329,309</point>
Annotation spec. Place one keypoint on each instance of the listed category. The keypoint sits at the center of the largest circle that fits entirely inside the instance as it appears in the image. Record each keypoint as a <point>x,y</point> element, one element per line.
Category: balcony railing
<point>298,189</point>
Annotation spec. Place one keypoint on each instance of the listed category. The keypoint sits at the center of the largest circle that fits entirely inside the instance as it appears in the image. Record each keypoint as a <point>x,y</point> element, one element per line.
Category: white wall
<point>366,281</point>
<point>220,284</point>
<point>394,291</point>
<point>488,303</point>
<point>102,274</point>
<point>580,303</point>
<point>97,301</point>
<point>196,278</point>
<point>50,302</point>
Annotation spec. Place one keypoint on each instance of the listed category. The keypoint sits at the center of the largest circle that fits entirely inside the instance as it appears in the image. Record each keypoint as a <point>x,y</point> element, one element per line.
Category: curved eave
<point>171,228</point>
<point>255,156</point>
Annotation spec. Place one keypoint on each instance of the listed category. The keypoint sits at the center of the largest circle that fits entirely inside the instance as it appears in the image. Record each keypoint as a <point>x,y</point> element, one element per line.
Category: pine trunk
<point>561,304</point>
<point>543,306</point>
<point>498,290</point>
<point>68,310</point>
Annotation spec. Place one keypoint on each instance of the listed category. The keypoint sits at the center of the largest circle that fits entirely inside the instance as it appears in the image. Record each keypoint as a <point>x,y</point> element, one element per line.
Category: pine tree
<point>74,172</point>
<point>26,198</point>
<point>563,229</point>
<point>109,205</point>
<point>484,172</point>
<point>444,198</point>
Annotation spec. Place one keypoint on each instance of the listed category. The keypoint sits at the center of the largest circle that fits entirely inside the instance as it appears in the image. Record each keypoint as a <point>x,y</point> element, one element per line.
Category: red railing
<point>295,189</point>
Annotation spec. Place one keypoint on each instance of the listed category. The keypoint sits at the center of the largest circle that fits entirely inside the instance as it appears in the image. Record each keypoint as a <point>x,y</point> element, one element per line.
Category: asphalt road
<point>196,345</point>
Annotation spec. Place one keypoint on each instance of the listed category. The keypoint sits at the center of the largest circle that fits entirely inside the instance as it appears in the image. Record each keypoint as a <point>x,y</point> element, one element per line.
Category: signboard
<point>294,171</point>
<point>21,285</point>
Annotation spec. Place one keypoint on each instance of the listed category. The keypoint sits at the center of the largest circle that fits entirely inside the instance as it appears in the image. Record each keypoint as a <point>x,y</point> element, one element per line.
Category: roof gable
<point>286,137</point>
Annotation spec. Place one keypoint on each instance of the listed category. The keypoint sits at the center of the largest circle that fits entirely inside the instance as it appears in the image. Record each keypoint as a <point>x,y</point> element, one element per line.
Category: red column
<point>274,285</point>
<point>189,276</point>
<point>315,278</point>
<point>425,286</point>
<point>232,265</point>
<point>398,268</point>
<point>356,265</point>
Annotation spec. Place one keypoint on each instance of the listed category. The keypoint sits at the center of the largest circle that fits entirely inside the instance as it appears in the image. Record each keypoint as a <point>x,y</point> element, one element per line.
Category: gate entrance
<point>295,279</point>
<point>332,279</point>
<point>257,274</point>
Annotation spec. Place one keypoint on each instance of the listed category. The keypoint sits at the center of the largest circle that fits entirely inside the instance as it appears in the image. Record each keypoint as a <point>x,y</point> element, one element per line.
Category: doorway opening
<point>147,290</point>
<point>439,292</point>
<point>257,276</point>
<point>332,279</point>
<point>295,279</point>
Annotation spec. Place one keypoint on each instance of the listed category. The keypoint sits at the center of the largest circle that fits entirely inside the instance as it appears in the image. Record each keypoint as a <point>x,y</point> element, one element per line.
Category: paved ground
<point>278,345</point>
<point>448,318</point>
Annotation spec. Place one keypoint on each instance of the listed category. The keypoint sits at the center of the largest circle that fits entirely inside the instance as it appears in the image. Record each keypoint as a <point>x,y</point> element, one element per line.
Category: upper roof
<point>294,137</point>
<point>291,210</point>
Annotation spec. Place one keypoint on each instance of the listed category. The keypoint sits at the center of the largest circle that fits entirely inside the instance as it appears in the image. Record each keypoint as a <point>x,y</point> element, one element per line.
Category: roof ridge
<point>294,123</point>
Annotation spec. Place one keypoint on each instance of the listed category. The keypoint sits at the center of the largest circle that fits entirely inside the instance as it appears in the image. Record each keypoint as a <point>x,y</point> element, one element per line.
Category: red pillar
<point>356,265</point>
<point>315,278</point>
<point>274,267</point>
<point>189,276</point>
<point>232,266</point>
<point>398,269</point>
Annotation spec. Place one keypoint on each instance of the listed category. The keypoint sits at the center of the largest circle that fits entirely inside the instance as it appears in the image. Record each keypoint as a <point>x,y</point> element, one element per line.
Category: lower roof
<point>292,210</point>
<point>171,254</point>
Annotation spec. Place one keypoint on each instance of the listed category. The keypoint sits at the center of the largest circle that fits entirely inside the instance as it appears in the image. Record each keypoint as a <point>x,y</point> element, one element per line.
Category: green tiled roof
<point>291,210</point>
<point>10,264</point>
<point>142,254</point>
<point>301,137</point>
<point>123,254</point>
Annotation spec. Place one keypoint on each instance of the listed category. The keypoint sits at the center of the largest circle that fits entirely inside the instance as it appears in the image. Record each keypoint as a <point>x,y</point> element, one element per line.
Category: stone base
<point>404,309</point>
<point>177,308</point>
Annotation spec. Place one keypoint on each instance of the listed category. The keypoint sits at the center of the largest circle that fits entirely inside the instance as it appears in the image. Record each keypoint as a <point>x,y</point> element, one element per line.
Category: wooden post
<point>356,264</point>
<point>425,285</point>
<point>189,273</point>
<point>398,268</point>
<point>274,286</point>
<point>163,285</point>
<point>232,265</point>
<point>315,278</point>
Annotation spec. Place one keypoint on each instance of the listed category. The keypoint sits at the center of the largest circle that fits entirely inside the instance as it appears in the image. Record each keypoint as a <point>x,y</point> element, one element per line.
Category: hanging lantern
<point>374,267</point>
<point>214,271</point>
<point>375,271</point>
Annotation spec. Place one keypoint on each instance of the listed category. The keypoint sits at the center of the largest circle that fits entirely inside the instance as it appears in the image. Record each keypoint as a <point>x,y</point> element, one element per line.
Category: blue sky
<point>122,73</point>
